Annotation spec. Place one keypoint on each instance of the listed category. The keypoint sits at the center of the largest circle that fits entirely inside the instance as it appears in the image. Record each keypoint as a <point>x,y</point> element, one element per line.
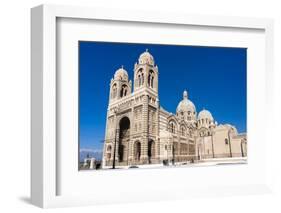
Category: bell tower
<point>146,73</point>
<point>120,85</point>
<point>146,91</point>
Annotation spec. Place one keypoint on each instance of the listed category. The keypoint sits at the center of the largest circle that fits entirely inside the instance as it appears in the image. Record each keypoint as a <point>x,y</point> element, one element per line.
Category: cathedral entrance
<point>151,150</point>
<point>124,135</point>
<point>137,149</point>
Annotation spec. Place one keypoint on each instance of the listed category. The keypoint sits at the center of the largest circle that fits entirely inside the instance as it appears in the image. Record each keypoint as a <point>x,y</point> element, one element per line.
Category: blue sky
<point>215,78</point>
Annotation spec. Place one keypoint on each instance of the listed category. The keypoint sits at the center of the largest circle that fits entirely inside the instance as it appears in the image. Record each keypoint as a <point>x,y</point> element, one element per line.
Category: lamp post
<point>230,151</point>
<point>213,152</point>
<point>241,146</point>
<point>212,138</point>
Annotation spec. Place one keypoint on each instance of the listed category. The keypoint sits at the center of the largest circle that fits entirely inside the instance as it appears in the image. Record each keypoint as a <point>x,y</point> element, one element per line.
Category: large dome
<point>186,105</point>
<point>121,74</point>
<point>205,114</point>
<point>146,58</point>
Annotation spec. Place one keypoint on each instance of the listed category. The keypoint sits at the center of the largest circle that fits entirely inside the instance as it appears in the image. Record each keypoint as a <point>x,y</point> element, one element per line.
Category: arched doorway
<point>124,136</point>
<point>151,150</point>
<point>137,150</point>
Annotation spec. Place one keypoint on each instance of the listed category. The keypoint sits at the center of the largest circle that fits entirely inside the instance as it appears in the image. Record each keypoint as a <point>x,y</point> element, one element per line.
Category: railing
<point>175,159</point>
<point>225,155</point>
<point>133,162</point>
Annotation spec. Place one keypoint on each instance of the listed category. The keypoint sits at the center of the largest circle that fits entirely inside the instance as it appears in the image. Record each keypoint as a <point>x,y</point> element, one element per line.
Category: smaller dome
<point>205,114</point>
<point>146,58</point>
<point>121,74</point>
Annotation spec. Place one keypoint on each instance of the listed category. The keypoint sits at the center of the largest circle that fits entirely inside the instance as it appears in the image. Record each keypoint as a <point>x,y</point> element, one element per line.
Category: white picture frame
<point>44,149</point>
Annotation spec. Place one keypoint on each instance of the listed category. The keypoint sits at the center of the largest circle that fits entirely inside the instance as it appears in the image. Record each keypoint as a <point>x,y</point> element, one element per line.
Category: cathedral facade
<point>140,131</point>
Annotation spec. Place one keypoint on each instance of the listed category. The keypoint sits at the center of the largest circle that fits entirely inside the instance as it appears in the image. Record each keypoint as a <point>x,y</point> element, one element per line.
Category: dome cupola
<point>205,120</point>
<point>186,105</point>
<point>205,114</point>
<point>121,74</point>
<point>146,58</point>
<point>186,109</point>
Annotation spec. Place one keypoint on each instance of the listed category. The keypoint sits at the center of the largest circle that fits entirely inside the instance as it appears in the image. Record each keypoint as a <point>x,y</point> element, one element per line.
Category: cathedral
<point>140,131</point>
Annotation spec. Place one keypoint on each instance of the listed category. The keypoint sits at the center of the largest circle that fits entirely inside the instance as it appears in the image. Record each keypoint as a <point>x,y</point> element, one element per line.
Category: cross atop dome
<point>185,94</point>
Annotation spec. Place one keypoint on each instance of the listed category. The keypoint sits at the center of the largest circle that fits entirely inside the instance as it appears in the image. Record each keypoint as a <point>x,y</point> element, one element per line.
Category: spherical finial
<point>185,95</point>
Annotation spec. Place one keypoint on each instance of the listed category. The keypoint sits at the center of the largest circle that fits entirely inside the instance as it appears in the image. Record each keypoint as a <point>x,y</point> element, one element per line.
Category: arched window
<point>226,141</point>
<point>137,150</point>
<point>172,127</point>
<point>140,77</point>
<point>182,131</point>
<point>114,91</point>
<point>150,78</point>
<point>124,91</point>
<point>139,80</point>
<point>151,150</point>
<point>109,148</point>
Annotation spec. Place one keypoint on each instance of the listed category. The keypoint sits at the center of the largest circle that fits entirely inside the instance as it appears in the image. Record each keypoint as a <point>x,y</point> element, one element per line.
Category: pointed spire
<point>122,66</point>
<point>146,50</point>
